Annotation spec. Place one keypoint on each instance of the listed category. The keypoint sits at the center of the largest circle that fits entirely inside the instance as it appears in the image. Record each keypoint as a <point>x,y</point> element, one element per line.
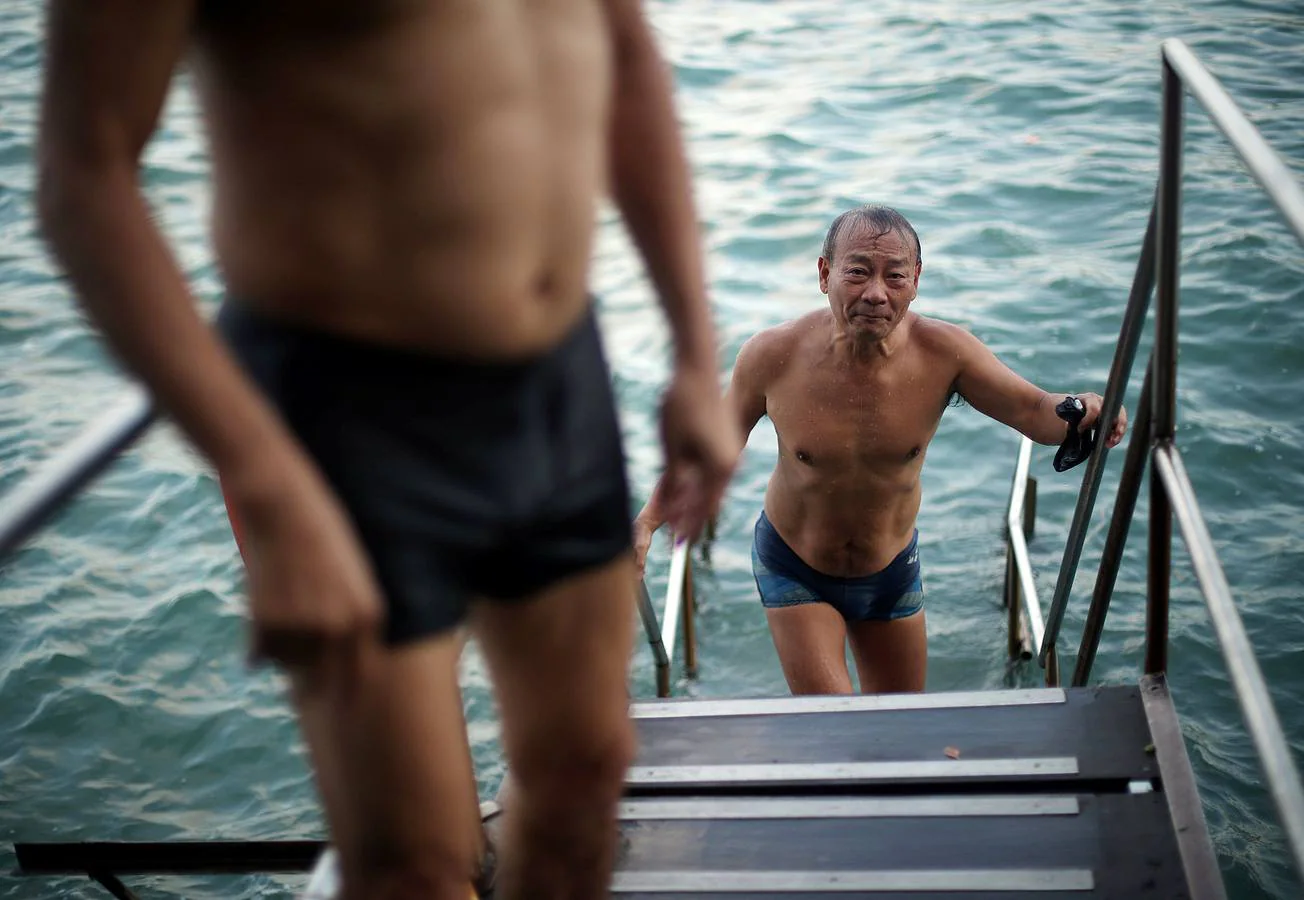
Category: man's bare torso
<point>417,172</point>
<point>852,439</point>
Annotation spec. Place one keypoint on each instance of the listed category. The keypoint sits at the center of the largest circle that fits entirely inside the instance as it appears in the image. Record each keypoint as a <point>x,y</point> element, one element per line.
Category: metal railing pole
<point>1164,400</point>
<point>653,631</point>
<point>1283,780</point>
<point>676,585</point>
<point>1267,167</point>
<point>113,884</point>
<point>1138,301</point>
<point>1015,635</point>
<point>38,497</point>
<point>1030,509</point>
<point>1111,557</point>
<point>1120,370</point>
<point>1024,589</point>
<point>1019,642</point>
<point>690,623</point>
<point>1026,649</point>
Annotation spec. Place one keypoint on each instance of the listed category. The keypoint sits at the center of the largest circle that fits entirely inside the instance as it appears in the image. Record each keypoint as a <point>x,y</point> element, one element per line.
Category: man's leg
<point>559,662</point>
<point>811,640</point>
<point>388,743</point>
<point>891,654</point>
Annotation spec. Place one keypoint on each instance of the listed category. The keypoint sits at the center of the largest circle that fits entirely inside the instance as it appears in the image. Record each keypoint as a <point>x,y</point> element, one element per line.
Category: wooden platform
<point>1004,794</point>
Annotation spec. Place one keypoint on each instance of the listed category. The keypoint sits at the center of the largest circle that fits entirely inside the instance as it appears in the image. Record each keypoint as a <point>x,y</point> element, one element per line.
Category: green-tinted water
<point>1022,141</point>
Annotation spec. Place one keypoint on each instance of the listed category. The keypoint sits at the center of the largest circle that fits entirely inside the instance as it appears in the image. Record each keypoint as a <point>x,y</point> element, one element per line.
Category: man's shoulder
<point>770,349</point>
<point>784,339</point>
<point>939,335</point>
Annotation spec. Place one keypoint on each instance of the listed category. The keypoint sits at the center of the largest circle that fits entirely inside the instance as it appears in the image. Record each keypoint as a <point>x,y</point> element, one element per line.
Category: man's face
<point>870,281</point>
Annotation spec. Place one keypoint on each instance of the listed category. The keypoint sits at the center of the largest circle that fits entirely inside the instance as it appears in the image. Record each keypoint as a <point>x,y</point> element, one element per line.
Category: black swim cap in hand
<point>1077,444</point>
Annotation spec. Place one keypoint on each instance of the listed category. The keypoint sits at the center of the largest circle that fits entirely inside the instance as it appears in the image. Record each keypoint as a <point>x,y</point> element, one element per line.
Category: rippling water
<point>1022,144</point>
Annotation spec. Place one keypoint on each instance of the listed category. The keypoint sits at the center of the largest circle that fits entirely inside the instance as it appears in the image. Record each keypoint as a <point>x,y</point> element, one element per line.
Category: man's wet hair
<point>878,221</point>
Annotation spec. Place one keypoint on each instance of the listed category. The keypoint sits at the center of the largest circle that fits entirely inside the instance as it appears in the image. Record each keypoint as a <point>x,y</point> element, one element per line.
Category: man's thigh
<point>388,742</point>
<point>891,654</point>
<point>559,662</point>
<point>811,640</point>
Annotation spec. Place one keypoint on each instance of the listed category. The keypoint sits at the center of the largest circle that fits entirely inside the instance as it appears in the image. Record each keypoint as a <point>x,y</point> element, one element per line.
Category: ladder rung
<point>762,882</point>
<point>720,808</point>
<point>766,706</point>
<point>827,773</point>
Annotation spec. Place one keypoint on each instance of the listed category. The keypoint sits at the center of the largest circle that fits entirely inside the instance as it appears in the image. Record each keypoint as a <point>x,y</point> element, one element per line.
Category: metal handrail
<point>1172,495</point>
<point>653,631</point>
<point>1014,526</point>
<point>1262,161</point>
<point>1120,371</point>
<point>1111,556</point>
<point>1181,68</point>
<point>679,605</point>
<point>1163,398</point>
<point>1247,679</point>
<point>1168,477</point>
<point>36,499</point>
<point>674,595</point>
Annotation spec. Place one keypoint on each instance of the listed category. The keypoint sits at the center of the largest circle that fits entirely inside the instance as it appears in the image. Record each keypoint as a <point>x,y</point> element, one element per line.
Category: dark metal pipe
<point>1013,608</point>
<point>1120,371</point>
<point>653,630</point>
<point>1111,557</point>
<point>1164,400</point>
<point>113,884</point>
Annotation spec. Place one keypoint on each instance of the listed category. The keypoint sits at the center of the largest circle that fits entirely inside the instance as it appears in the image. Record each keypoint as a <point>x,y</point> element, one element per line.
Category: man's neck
<point>862,349</point>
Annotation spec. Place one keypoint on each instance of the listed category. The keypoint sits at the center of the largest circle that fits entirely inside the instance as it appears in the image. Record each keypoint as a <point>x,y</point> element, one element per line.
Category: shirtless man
<point>855,393</point>
<point>410,413</point>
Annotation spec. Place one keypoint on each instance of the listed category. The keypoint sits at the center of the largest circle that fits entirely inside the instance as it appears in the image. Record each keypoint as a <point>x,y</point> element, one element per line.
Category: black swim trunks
<point>463,479</point>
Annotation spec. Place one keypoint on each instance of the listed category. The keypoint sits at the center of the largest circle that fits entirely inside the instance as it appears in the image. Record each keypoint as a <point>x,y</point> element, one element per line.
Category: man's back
<point>413,172</point>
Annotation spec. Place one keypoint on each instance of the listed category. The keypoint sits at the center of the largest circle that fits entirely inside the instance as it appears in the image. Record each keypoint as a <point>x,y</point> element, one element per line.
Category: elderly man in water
<point>856,392</point>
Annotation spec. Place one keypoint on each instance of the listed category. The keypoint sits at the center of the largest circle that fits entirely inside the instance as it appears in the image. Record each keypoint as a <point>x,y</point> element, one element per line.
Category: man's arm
<point>994,389</point>
<point>108,67</point>
<point>650,184</point>
<point>745,404</point>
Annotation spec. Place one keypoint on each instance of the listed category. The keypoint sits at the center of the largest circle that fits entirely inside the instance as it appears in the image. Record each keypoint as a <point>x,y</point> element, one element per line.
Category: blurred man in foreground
<point>410,413</point>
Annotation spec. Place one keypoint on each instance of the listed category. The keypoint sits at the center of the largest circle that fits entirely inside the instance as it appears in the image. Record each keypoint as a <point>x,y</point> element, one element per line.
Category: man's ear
<point>919,270</point>
<point>823,267</point>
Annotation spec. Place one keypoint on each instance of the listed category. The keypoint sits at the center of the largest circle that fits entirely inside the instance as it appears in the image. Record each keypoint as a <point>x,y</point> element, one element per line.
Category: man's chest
<point>836,421</point>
